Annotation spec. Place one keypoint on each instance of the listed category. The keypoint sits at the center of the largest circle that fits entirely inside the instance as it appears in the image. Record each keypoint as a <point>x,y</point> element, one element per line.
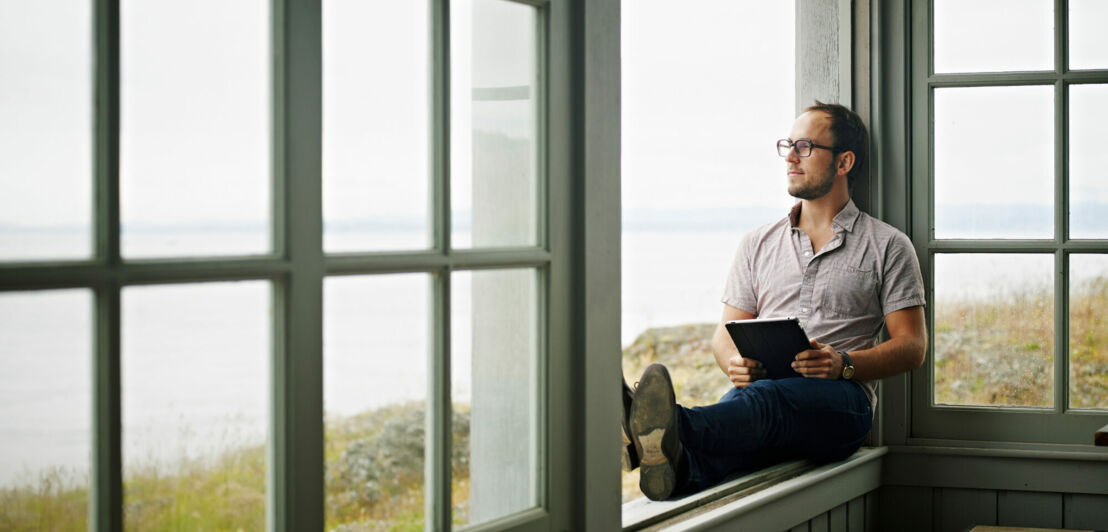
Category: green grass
<point>55,500</point>
<point>374,481</point>
<point>1000,351</point>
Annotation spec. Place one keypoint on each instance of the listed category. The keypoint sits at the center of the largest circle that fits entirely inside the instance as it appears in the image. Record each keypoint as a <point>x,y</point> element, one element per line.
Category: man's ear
<point>846,162</point>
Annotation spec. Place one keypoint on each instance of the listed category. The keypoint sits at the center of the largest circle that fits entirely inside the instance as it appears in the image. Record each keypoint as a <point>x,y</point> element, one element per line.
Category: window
<point>699,170</point>
<point>1008,220</point>
<point>315,257</point>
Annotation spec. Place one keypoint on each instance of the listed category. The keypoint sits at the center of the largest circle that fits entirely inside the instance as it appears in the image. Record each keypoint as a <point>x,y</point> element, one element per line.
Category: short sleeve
<point>739,290</point>
<point>902,282</point>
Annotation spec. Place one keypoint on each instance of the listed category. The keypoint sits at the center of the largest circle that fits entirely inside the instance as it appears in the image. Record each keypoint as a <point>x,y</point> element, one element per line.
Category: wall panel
<point>1029,509</point>
<point>957,510</point>
<point>846,517</point>
<point>1085,511</point>
<point>961,509</point>
<point>904,508</point>
<point>837,519</point>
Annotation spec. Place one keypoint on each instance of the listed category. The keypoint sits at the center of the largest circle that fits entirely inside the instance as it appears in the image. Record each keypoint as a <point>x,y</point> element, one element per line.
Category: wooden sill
<point>741,494</point>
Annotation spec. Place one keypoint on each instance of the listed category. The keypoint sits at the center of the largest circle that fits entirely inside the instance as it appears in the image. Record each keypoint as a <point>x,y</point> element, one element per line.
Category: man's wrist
<point>847,372</point>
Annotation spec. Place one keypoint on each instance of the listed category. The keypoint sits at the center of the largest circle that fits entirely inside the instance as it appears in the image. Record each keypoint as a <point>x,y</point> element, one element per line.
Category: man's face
<point>811,177</point>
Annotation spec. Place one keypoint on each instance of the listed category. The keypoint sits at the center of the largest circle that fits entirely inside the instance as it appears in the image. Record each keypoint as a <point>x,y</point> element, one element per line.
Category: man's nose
<point>793,156</point>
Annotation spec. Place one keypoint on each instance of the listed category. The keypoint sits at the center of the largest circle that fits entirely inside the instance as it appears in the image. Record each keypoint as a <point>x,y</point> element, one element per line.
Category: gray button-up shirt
<point>841,295</point>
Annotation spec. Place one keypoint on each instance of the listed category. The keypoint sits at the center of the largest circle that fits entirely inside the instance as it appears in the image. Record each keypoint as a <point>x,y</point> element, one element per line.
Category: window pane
<point>45,130</point>
<point>698,170</point>
<point>1088,159</point>
<point>994,330</point>
<point>1088,41</point>
<point>494,365</point>
<point>493,108</point>
<point>993,35</point>
<point>994,162</point>
<point>45,409</point>
<point>195,388</point>
<point>375,125</point>
<point>375,399</point>
<point>680,233</point>
<point>194,128</point>
<point>1088,331</point>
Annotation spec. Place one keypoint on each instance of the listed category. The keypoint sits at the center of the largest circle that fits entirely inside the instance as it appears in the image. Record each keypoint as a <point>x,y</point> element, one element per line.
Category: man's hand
<point>821,362</point>
<point>743,371</point>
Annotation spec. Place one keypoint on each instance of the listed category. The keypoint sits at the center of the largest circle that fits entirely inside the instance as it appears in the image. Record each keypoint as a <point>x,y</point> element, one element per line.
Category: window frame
<point>1055,425</point>
<point>576,257</point>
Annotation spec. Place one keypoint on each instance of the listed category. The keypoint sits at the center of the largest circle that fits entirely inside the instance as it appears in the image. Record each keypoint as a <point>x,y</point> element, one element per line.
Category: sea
<point>195,358</point>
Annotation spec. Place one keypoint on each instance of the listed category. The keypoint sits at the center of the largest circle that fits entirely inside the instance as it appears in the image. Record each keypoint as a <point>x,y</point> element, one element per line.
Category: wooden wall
<point>920,509</point>
<point>913,508</point>
<point>858,515</point>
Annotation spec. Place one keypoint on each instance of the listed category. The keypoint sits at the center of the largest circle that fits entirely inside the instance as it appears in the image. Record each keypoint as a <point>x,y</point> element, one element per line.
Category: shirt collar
<point>844,220</point>
<point>847,217</point>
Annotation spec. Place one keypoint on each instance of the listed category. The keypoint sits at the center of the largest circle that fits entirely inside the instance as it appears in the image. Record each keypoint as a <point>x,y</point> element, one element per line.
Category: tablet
<point>774,342</point>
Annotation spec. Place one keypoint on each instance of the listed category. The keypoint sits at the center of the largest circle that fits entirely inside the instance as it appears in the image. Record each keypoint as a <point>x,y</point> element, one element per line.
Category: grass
<point>1000,351</point>
<point>374,481</point>
<point>55,500</point>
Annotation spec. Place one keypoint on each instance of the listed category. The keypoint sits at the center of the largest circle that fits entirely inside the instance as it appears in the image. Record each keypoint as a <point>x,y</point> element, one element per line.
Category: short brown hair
<point>848,133</point>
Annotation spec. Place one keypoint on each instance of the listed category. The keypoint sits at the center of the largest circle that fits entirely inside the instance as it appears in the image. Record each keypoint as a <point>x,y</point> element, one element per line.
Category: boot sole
<point>654,427</point>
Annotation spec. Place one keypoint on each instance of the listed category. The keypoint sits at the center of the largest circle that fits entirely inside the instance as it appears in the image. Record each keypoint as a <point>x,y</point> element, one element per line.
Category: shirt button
<point>807,253</point>
<point>804,310</point>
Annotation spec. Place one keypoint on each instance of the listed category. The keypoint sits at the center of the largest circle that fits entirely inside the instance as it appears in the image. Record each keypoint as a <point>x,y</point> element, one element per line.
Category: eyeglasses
<point>803,147</point>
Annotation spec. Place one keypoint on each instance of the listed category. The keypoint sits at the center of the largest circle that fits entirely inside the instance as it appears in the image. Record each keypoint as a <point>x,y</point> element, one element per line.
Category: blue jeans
<point>768,422</point>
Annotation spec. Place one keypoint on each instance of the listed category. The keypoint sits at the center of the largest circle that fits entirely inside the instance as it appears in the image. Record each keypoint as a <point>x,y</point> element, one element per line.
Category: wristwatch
<point>848,366</point>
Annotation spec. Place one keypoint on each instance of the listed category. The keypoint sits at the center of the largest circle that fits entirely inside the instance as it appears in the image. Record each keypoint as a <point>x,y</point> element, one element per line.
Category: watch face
<point>848,372</point>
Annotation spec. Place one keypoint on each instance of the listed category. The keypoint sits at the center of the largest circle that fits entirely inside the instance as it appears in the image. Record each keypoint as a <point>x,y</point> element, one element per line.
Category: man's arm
<point>741,371</point>
<point>903,351</point>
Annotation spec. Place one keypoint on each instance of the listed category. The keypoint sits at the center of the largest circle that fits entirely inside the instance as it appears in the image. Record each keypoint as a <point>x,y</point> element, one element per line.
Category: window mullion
<point>106,499</point>
<point>439,419</point>
<point>440,124</point>
<point>437,471</point>
<point>296,483</point>
<point>1061,332</point>
<point>1061,36</point>
<point>106,503</point>
<point>1061,221</point>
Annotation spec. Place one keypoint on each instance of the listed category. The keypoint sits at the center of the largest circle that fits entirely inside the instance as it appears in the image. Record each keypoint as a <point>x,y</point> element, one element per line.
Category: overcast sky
<point>707,89</point>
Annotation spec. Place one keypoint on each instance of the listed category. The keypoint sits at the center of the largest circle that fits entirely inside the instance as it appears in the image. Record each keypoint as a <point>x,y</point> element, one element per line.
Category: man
<point>845,275</point>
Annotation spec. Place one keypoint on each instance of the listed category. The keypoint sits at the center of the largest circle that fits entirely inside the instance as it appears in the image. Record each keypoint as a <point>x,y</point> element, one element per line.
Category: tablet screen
<point>774,342</point>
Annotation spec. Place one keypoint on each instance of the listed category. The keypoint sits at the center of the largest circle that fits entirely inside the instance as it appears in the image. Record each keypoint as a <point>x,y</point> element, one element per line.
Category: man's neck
<point>817,214</point>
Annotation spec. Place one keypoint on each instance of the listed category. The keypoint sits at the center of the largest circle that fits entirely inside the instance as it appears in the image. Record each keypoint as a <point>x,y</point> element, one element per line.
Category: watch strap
<point>847,363</point>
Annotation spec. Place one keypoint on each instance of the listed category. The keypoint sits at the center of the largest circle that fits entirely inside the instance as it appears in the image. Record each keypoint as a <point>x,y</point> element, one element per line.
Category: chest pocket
<point>852,293</point>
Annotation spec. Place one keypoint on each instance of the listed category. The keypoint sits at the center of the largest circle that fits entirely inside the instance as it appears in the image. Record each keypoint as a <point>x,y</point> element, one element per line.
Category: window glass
<point>699,169</point>
<point>1088,331</point>
<point>494,113</point>
<point>45,409</point>
<point>494,366</point>
<point>375,399</point>
<point>194,128</point>
<point>375,125</point>
<point>46,130</point>
<point>994,162</point>
<point>1088,159</point>
<point>994,330</point>
<point>195,389</point>
<point>993,35</point>
<point>1088,41</point>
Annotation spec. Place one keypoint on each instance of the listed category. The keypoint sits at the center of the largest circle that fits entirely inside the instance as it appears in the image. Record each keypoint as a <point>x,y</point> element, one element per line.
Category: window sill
<point>761,490</point>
